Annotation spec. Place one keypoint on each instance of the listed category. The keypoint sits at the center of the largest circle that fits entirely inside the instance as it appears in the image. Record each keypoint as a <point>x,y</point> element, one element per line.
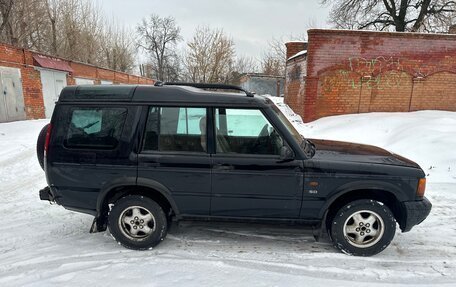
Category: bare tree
<point>273,65</point>
<point>6,32</point>
<point>387,15</point>
<point>20,22</point>
<point>81,30</point>
<point>242,66</point>
<point>73,29</point>
<point>274,59</point>
<point>245,64</point>
<point>118,48</point>
<point>52,9</point>
<point>210,56</point>
<point>159,36</point>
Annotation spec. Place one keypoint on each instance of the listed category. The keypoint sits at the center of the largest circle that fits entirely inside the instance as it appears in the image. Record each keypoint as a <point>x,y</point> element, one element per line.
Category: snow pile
<point>46,245</point>
<point>426,137</point>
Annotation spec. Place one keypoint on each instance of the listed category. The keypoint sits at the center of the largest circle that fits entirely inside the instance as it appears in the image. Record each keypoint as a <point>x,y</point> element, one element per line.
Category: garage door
<point>11,98</point>
<point>53,82</point>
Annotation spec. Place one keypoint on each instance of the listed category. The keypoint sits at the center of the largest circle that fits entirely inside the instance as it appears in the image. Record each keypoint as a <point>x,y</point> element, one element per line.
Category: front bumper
<point>415,213</point>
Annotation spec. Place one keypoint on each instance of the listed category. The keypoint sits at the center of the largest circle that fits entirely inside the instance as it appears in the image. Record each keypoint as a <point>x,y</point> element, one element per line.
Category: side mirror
<point>286,154</point>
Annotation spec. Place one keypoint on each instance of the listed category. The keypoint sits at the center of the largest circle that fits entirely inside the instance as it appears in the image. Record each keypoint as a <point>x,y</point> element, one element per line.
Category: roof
<point>301,53</point>
<point>383,33</point>
<point>261,75</point>
<point>154,94</point>
<point>52,63</point>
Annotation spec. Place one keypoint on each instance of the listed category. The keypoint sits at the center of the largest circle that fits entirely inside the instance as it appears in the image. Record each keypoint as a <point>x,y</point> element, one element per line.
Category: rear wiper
<point>90,125</point>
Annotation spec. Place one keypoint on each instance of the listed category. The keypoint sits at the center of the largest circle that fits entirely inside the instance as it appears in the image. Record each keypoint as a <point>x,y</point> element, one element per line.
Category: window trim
<point>144,128</point>
<point>91,107</point>
<point>246,155</point>
<point>262,110</point>
<point>183,153</point>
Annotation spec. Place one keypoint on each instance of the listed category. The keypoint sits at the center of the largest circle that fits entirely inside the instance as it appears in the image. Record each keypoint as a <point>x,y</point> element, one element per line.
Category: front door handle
<point>151,164</point>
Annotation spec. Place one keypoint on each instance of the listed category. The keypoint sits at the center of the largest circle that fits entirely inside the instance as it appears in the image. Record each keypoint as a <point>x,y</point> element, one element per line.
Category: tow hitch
<point>45,194</point>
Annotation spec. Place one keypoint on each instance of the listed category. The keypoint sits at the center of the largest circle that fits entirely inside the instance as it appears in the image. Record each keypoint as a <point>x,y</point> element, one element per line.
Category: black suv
<point>137,157</point>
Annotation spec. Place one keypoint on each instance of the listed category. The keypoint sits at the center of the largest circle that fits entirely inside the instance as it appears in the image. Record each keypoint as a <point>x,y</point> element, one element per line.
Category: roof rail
<point>205,86</point>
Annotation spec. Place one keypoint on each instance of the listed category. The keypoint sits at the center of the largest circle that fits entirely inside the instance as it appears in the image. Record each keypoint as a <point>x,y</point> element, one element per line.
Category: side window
<point>176,129</point>
<point>245,131</point>
<point>95,128</point>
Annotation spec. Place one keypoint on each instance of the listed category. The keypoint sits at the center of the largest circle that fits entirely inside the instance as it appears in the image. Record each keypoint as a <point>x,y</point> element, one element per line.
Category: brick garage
<point>346,72</point>
<point>32,90</point>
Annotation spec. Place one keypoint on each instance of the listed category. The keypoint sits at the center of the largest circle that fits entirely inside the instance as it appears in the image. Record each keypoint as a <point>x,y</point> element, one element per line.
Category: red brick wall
<point>106,75</point>
<point>120,78</point>
<point>83,71</point>
<point>295,82</point>
<point>361,71</point>
<point>32,92</point>
<point>31,80</point>
<point>295,47</point>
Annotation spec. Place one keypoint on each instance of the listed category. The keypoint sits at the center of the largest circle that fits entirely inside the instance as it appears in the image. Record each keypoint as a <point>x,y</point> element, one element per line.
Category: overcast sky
<point>250,23</point>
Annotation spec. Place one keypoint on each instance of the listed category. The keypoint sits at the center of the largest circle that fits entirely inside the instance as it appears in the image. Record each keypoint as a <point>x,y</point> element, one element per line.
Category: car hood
<point>353,152</point>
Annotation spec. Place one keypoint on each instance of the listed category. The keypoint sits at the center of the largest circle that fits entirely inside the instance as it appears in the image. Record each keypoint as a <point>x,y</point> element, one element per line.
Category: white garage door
<point>81,81</point>
<point>53,82</point>
<point>11,98</point>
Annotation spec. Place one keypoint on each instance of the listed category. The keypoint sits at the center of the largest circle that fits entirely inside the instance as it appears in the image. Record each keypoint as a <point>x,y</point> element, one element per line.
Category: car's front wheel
<point>363,227</point>
<point>137,222</point>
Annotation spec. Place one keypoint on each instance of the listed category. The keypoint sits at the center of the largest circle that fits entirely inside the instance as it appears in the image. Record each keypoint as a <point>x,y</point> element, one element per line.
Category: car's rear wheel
<point>137,222</point>
<point>40,145</point>
<point>363,227</point>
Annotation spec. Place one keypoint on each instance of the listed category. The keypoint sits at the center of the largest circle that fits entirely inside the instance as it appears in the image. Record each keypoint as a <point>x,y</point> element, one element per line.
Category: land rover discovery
<point>138,157</point>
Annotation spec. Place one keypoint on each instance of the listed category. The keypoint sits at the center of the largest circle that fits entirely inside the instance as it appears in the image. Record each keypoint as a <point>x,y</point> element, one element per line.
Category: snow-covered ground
<point>46,245</point>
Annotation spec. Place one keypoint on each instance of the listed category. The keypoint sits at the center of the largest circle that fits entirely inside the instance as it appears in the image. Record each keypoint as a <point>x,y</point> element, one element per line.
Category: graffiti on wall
<point>376,73</point>
<point>295,73</point>
<point>375,65</point>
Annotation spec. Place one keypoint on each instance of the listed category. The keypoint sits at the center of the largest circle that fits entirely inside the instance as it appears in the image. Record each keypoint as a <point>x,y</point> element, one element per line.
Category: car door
<point>90,149</point>
<point>174,155</point>
<point>248,177</point>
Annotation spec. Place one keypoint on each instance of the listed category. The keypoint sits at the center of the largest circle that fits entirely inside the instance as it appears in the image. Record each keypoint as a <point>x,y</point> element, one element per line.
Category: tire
<point>363,228</point>
<point>137,222</point>
<point>40,145</point>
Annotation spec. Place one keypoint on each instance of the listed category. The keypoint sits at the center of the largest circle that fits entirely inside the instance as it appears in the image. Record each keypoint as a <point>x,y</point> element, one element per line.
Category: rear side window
<point>95,128</point>
<point>176,129</point>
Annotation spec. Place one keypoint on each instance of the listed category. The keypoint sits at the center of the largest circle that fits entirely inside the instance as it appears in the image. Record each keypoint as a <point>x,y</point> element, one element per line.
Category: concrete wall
<point>360,71</point>
<point>262,84</point>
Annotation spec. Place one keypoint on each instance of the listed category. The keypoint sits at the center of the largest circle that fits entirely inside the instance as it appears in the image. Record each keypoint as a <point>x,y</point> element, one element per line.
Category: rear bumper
<point>415,213</point>
<point>52,195</point>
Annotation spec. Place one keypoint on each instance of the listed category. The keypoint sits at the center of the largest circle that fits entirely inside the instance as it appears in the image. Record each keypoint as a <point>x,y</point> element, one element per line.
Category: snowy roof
<point>303,52</point>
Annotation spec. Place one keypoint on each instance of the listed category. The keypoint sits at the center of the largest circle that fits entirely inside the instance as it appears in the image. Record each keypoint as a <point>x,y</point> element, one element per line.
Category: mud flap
<point>98,225</point>
<point>317,230</point>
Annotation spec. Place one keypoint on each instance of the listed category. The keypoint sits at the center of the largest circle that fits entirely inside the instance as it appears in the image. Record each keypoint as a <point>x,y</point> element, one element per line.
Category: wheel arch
<point>132,186</point>
<point>387,195</point>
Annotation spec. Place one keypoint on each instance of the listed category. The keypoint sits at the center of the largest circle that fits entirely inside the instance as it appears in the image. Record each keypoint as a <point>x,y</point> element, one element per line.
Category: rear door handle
<point>151,164</point>
<point>223,167</point>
